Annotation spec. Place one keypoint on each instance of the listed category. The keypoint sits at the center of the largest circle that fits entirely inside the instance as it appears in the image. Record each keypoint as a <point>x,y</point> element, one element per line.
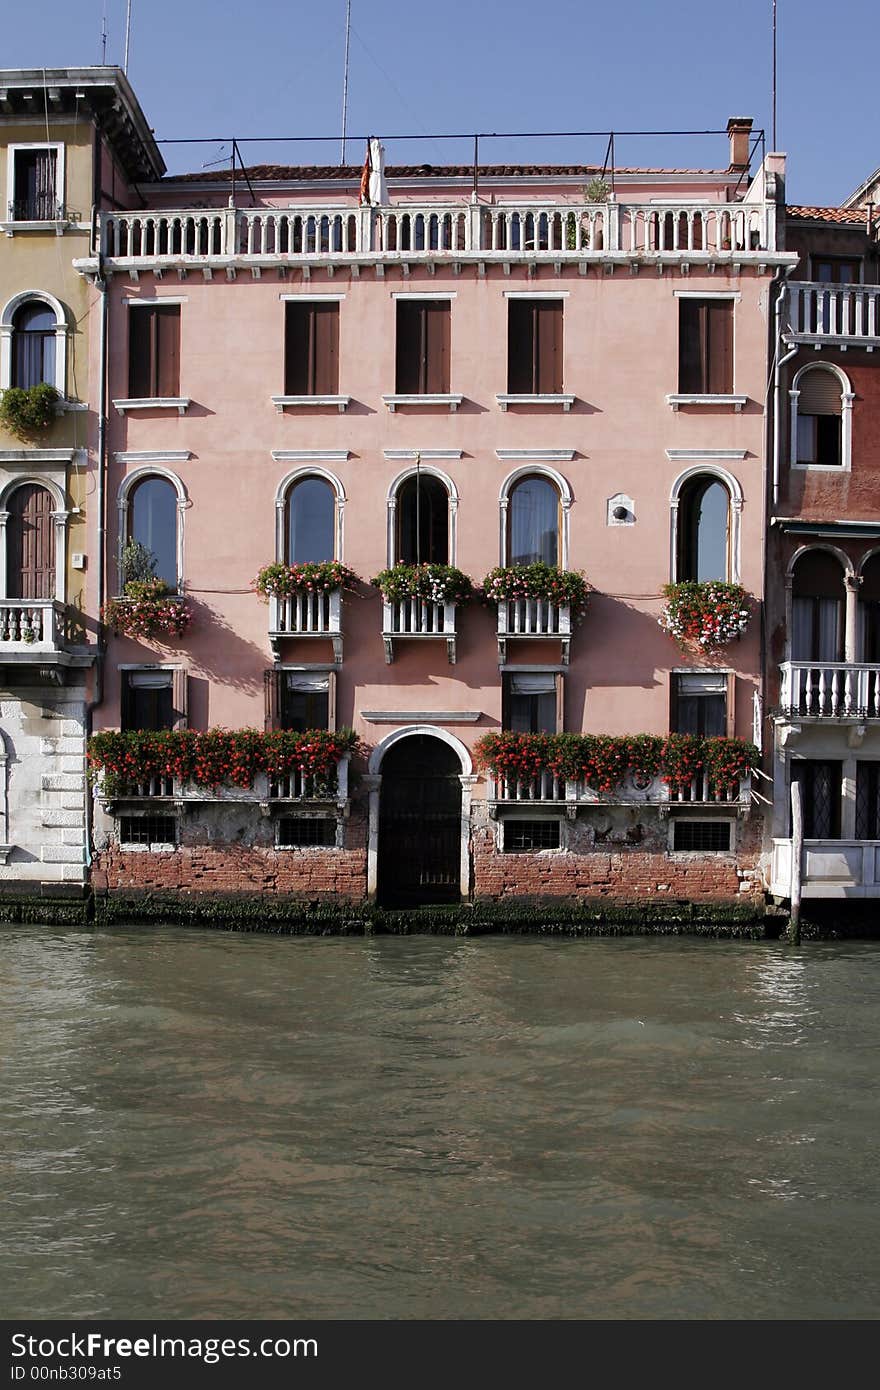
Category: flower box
<point>147,609</point>
<point>705,615</point>
<point>536,601</point>
<point>420,601</point>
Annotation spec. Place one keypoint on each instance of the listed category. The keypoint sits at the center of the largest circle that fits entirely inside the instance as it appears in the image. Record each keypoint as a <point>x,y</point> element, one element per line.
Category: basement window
<point>148,831</point>
<point>709,836</point>
<point>305,832</point>
<point>529,836</point>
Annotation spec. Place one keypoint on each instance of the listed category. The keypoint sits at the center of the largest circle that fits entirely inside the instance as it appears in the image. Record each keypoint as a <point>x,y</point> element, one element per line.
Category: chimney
<point>739,128</point>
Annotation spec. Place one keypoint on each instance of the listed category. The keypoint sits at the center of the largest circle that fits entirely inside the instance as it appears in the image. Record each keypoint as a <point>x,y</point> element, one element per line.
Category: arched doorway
<point>31,543</point>
<point>420,847</point>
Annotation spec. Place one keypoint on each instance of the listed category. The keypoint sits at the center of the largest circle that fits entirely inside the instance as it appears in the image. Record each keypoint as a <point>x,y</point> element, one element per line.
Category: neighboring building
<point>488,368</point>
<point>72,140</point>
<point>823,617</point>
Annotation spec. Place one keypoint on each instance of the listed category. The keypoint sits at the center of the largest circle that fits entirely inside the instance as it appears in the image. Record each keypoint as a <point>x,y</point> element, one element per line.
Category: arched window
<point>820,418</point>
<point>533,525</point>
<point>152,520</point>
<point>703,530</point>
<point>422,521</point>
<point>310,522</point>
<point>817,608</point>
<point>33,344</point>
<point>30,543</point>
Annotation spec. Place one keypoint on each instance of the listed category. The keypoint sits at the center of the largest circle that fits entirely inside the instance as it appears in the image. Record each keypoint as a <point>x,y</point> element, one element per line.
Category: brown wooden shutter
<point>505,700</point>
<point>520,346</point>
<point>125,702</point>
<point>325,349</point>
<point>179,698</point>
<point>297,333</point>
<point>560,702</point>
<point>731,705</point>
<point>548,347</point>
<point>437,319</point>
<point>167,349</point>
<point>691,330</point>
<point>331,701</point>
<point>673,702</point>
<point>31,543</point>
<point>409,347</point>
<point>719,347</point>
<point>140,326</point>
<point>272,690</point>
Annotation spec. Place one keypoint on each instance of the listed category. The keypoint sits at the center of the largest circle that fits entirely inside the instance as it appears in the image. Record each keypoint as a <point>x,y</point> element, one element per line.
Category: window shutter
<point>719,314</point>
<point>140,322</point>
<point>125,701</point>
<point>505,701</point>
<point>560,702</point>
<point>325,345</point>
<point>437,321</point>
<point>548,335</point>
<point>296,350</point>
<point>331,701</point>
<point>691,323</point>
<point>167,349</point>
<point>673,702</point>
<point>409,347</point>
<point>520,335</point>
<point>272,691</point>
<point>179,698</point>
<point>730,705</point>
<point>819,393</point>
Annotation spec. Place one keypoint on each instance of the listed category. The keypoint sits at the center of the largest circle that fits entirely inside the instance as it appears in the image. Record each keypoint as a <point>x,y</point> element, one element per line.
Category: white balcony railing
<point>302,786</point>
<point>832,690</point>
<point>558,231</point>
<point>838,314</point>
<point>296,786</point>
<point>534,618</point>
<point>829,869</point>
<point>307,615</point>
<point>548,790</point>
<point>35,625</point>
<point>417,618</point>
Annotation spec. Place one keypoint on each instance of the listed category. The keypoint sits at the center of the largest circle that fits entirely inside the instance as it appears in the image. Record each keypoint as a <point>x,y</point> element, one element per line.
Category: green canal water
<point>202,1124</point>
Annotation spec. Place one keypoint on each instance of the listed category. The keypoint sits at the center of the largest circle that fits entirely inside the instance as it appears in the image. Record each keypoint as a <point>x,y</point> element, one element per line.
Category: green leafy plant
<point>430,583</point>
<point>506,583</point>
<point>708,614</point>
<point>138,564</point>
<point>282,581</point>
<point>597,190</point>
<point>28,410</point>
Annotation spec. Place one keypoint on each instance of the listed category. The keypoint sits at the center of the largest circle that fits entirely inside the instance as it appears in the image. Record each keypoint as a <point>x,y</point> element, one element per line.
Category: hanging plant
<point>430,583</point>
<point>706,615</point>
<point>28,410</point>
<point>282,581</point>
<point>507,583</point>
<point>147,609</point>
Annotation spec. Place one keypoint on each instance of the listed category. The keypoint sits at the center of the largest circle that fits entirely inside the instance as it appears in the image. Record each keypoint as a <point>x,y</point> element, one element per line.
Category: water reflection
<point>200,1123</point>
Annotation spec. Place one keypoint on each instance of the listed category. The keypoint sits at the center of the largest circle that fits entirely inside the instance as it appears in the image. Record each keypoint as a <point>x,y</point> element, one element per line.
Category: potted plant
<point>28,410</point>
<point>705,615</point>
<point>442,584</point>
<point>146,608</point>
<point>282,581</point>
<point>538,581</point>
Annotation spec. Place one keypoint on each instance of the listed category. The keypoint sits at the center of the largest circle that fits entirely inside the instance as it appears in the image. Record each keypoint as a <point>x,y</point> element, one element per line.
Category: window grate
<point>524,836</point>
<point>303,831</point>
<point>147,830</point>
<point>710,835</point>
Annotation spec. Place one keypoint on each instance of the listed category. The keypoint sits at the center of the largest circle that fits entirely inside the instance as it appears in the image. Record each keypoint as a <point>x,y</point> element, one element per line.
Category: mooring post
<point>797,855</point>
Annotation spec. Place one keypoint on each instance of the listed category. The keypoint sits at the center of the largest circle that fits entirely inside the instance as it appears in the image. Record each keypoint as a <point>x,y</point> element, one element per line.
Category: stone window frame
<point>7,330</point>
<point>123,499</point>
<point>431,471</point>
<point>735,494</point>
<point>847,396</point>
<point>566,498</point>
<point>288,482</point>
<point>55,483</point>
<point>10,223</point>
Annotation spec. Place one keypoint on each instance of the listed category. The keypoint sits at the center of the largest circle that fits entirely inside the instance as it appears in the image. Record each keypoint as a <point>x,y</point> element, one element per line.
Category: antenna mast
<point>345,79</point>
<point>104,35</point>
<point>774,146</point>
<point>127,36</point>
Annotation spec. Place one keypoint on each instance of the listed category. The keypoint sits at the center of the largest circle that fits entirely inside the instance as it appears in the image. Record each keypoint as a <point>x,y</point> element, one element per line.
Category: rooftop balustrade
<point>836,315</point>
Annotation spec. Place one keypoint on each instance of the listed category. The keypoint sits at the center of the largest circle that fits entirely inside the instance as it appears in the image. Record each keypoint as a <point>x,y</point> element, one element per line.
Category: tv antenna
<point>345,78</point>
<point>127,36</point>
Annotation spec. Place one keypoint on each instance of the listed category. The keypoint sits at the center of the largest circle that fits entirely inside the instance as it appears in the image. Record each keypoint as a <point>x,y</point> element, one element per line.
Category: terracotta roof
<point>351,173</point>
<point>845,216</point>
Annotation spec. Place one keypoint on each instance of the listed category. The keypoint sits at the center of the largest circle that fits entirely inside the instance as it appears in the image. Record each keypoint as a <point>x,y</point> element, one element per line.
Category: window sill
<point>435,401</point>
<point>820,467</point>
<point>179,403</point>
<point>340,402</point>
<point>736,401</point>
<point>57,225</point>
<point>521,399</point>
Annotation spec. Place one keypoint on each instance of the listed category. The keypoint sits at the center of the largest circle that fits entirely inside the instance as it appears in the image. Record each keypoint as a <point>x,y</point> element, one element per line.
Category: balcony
<point>296,788</point>
<point>554,793</point>
<point>420,620</point>
<point>307,614</point>
<point>699,233</point>
<point>830,869</point>
<point>833,690</point>
<point>31,627</point>
<point>535,619</point>
<point>833,315</point>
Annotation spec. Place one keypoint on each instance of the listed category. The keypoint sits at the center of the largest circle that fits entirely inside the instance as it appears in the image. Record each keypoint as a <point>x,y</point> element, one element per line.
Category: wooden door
<point>31,543</point>
<point>420,824</point>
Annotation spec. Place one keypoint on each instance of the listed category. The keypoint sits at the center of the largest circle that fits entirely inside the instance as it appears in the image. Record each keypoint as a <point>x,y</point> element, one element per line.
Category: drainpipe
<point>779,363</point>
<point>100,508</point>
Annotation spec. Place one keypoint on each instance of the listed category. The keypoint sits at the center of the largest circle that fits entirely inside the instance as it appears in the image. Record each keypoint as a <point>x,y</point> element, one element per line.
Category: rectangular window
<point>300,700</point>
<point>35,193</point>
<point>705,347</point>
<point>527,836</point>
<point>712,836</point>
<point>304,831</point>
<point>311,349</point>
<point>534,347</point>
<point>153,699</point>
<point>532,702</point>
<point>147,830</point>
<point>819,440</point>
<point>821,785</point>
<point>836,270</point>
<point>153,350</point>
<point>423,333</point>
<point>867,801</point>
<point>701,703</point>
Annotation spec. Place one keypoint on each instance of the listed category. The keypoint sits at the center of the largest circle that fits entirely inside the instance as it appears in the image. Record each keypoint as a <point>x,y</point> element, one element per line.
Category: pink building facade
<point>491,368</point>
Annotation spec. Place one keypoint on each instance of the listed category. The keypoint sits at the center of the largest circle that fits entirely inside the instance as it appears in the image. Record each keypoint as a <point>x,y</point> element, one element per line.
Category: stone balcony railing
<point>837,315</point>
<point>830,690</point>
<point>31,625</point>
<point>680,230</point>
<point>534,619</point>
<point>307,615</point>
<point>845,868</point>
<point>296,786</point>
<point>419,619</point>
<point>551,792</point>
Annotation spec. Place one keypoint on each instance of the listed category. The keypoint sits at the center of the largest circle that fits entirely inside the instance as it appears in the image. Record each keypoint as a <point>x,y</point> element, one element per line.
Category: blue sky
<point>274,67</point>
